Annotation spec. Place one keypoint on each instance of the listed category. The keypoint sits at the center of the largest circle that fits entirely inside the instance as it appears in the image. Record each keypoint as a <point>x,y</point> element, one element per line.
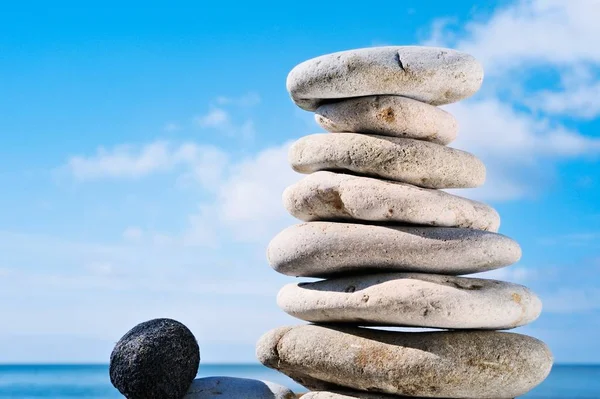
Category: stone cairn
<point>389,243</point>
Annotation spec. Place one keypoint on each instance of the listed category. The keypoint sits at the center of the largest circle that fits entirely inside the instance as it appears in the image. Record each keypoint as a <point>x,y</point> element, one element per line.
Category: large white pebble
<point>443,364</point>
<point>429,74</point>
<point>236,388</point>
<point>410,161</point>
<point>319,249</point>
<point>412,300</point>
<point>336,196</point>
<point>388,116</point>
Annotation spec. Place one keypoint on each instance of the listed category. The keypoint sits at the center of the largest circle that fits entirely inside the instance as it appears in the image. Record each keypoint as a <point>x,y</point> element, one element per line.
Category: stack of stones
<point>390,244</point>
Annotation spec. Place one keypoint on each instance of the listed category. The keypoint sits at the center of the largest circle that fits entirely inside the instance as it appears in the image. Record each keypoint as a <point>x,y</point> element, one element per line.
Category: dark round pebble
<point>157,359</point>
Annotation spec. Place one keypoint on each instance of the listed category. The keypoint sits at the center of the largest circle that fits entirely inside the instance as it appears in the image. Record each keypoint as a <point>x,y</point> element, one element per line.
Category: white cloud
<point>249,201</point>
<point>128,161</point>
<point>245,204</point>
<point>247,100</point>
<point>535,32</point>
<point>582,101</point>
<point>133,234</point>
<point>580,239</point>
<point>570,300</point>
<point>515,274</point>
<point>98,291</point>
<point>122,161</point>
<point>205,164</point>
<point>502,124</point>
<point>171,127</point>
<point>245,196</point>
<point>494,129</point>
<point>216,117</point>
<point>100,268</point>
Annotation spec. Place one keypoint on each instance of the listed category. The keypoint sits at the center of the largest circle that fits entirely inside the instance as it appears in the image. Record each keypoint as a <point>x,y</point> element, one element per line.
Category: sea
<point>92,381</point>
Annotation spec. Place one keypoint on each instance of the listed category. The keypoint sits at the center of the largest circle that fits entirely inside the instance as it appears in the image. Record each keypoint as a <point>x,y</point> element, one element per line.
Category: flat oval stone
<point>236,388</point>
<point>346,394</point>
<point>410,161</point>
<point>428,74</point>
<point>412,300</point>
<point>388,116</point>
<point>445,364</point>
<point>321,249</point>
<point>336,196</point>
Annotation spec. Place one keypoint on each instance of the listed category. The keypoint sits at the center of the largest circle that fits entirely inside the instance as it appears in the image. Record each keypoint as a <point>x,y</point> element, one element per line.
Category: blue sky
<point>143,154</point>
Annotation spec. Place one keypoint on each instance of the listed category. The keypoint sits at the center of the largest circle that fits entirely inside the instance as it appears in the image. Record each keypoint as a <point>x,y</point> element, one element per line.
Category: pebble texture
<point>412,300</point>
<point>236,388</point>
<point>388,116</point>
<point>346,394</point>
<point>335,196</point>
<point>410,161</point>
<point>157,359</point>
<point>341,394</point>
<point>473,364</point>
<point>321,249</point>
<point>428,74</point>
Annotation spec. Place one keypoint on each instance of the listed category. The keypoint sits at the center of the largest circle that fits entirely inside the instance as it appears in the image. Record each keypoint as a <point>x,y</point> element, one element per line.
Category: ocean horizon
<point>58,381</point>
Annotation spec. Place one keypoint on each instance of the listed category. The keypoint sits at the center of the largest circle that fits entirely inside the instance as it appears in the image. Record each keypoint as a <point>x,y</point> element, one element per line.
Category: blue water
<point>77,381</point>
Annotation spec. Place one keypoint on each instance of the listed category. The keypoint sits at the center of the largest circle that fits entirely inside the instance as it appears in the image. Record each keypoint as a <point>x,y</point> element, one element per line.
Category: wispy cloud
<point>201,162</point>
<point>515,274</point>
<point>244,196</point>
<point>246,100</point>
<point>122,161</point>
<point>133,234</point>
<point>570,300</point>
<point>226,114</point>
<point>248,201</point>
<point>529,33</point>
<point>215,117</point>
<point>581,239</point>
<point>171,127</point>
<point>221,119</point>
<point>501,124</point>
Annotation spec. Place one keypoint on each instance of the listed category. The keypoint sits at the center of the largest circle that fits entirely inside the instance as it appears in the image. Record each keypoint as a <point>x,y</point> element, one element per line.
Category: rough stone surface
<point>410,161</point>
<point>236,388</point>
<point>388,116</point>
<point>412,300</point>
<point>470,364</point>
<point>428,74</point>
<point>336,196</point>
<point>345,394</point>
<point>155,359</point>
<point>320,249</point>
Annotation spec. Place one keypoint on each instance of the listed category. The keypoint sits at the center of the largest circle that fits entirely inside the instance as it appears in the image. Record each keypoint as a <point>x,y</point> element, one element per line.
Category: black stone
<point>157,359</point>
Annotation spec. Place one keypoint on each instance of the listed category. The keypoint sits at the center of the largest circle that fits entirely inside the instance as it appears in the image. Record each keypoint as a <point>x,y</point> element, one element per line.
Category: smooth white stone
<point>388,116</point>
<point>236,388</point>
<point>336,196</point>
<point>442,364</point>
<point>319,249</point>
<point>412,300</point>
<point>410,161</point>
<point>428,74</point>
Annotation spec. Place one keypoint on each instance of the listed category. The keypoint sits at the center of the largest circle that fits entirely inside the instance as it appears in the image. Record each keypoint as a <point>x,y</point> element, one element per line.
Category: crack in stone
<point>399,61</point>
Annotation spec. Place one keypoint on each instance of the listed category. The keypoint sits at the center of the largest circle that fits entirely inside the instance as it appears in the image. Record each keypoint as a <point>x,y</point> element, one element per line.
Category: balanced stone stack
<point>390,244</point>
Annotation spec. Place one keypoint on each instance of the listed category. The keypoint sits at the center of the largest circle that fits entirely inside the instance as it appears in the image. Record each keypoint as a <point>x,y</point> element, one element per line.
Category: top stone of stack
<point>431,75</point>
